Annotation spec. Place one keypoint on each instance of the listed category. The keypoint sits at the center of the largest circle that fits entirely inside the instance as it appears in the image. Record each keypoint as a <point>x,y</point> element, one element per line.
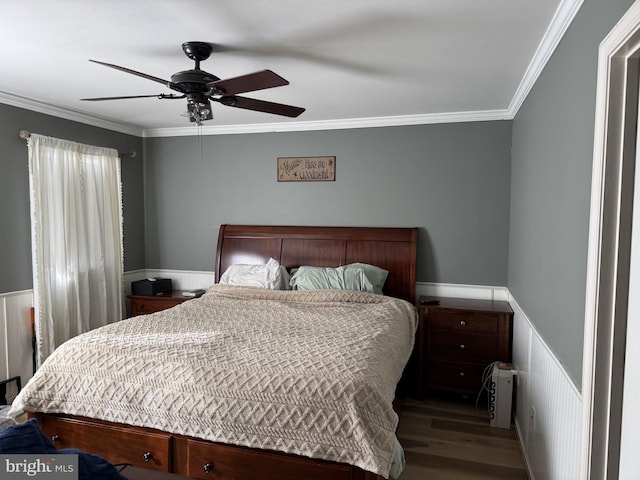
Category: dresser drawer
<point>149,449</point>
<point>477,348</point>
<point>470,322</point>
<point>207,461</point>
<point>455,376</point>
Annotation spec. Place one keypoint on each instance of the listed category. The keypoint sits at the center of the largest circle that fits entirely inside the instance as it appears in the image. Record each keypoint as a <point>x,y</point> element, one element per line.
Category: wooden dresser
<point>143,304</point>
<point>457,339</point>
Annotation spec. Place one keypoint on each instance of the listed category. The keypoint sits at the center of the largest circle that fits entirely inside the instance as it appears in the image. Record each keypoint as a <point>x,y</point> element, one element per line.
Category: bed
<point>290,384</point>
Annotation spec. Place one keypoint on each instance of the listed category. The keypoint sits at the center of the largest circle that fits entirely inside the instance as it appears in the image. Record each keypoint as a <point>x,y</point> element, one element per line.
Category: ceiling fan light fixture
<point>198,110</point>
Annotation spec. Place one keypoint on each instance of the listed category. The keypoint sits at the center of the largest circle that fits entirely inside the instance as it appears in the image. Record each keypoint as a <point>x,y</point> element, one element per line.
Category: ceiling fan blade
<point>171,85</point>
<point>248,83</point>
<point>261,106</point>
<point>162,95</point>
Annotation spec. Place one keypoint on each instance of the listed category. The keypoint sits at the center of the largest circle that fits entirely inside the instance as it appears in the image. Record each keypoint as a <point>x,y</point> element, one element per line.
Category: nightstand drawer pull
<point>463,323</point>
<point>147,457</point>
<point>462,346</point>
<point>462,374</point>
<point>55,438</point>
<point>208,468</point>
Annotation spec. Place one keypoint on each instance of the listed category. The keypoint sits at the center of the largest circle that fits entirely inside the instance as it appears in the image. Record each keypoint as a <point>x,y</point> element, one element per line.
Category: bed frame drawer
<point>206,460</point>
<point>149,449</point>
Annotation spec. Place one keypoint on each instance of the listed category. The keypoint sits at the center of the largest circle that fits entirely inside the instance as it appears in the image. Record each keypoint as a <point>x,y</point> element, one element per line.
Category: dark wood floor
<point>449,439</point>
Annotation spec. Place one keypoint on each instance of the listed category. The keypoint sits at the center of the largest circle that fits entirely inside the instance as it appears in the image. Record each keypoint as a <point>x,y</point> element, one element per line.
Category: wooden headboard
<point>393,249</point>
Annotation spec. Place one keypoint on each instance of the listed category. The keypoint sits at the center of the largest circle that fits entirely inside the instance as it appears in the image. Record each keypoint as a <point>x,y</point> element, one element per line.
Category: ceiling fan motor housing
<point>194,80</point>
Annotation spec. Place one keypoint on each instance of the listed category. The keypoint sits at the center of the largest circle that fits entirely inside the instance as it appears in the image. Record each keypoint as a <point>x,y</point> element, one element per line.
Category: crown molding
<point>343,124</point>
<point>41,107</point>
<point>558,26</point>
<point>563,17</point>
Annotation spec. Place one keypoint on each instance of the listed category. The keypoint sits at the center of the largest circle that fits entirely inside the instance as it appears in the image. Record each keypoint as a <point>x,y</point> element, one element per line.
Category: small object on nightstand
<point>193,293</point>
<point>429,301</point>
<point>151,286</point>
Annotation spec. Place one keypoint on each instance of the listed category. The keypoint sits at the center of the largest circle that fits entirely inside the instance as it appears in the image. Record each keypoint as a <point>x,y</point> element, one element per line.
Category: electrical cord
<point>486,380</point>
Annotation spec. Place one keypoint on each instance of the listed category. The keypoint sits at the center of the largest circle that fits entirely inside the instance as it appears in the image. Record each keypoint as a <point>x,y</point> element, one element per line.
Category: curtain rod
<point>26,134</point>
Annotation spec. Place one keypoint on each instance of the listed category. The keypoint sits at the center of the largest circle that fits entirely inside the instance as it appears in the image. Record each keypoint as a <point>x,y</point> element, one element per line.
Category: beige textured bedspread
<point>311,373</point>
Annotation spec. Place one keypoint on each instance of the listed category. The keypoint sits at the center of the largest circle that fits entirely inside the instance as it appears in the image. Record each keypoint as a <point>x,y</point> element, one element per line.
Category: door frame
<point>609,250</point>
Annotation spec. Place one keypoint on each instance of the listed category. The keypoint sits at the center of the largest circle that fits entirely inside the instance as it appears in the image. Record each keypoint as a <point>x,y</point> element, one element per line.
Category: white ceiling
<point>349,63</point>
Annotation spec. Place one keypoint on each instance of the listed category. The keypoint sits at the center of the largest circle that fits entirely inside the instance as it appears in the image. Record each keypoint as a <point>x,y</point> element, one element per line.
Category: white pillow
<point>271,275</point>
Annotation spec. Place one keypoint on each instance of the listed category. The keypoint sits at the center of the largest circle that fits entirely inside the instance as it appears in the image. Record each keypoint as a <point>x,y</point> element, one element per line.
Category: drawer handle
<point>147,457</point>
<point>462,346</point>
<point>208,468</point>
<point>55,439</point>
<point>462,374</point>
<point>463,323</point>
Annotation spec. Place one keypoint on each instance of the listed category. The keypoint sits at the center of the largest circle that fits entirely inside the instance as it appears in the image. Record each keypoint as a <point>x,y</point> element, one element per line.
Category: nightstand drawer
<point>144,304</point>
<point>443,345</point>
<point>477,322</point>
<point>455,376</point>
<point>142,307</point>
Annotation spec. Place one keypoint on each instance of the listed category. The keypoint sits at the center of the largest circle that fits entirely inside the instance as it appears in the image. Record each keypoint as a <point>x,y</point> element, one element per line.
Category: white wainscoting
<point>480,292</point>
<point>15,338</point>
<point>548,410</point>
<point>180,279</point>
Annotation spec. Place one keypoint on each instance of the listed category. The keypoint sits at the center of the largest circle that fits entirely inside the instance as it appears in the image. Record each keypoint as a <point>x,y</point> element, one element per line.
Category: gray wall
<point>551,186</point>
<point>15,236</point>
<point>451,180</point>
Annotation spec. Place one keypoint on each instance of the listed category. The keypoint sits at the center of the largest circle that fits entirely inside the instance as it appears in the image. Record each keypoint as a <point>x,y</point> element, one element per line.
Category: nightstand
<point>457,339</point>
<point>143,304</point>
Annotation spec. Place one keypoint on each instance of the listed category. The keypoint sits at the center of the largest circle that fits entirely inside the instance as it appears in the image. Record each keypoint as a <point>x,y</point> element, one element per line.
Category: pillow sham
<point>342,278</point>
<point>376,275</point>
<point>270,275</point>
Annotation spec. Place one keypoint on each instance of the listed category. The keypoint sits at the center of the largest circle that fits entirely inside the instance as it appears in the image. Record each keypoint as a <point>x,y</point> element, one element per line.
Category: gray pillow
<point>320,278</point>
<point>376,275</point>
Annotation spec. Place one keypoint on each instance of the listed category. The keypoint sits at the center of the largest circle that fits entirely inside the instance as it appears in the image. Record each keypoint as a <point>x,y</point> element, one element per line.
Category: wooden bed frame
<point>393,249</point>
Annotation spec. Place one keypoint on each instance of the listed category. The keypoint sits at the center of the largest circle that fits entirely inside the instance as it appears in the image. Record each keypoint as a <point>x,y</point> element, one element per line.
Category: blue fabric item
<point>28,438</point>
<point>25,438</point>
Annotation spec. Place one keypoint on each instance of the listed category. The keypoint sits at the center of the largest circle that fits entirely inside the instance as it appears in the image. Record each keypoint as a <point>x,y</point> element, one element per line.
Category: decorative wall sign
<point>306,169</point>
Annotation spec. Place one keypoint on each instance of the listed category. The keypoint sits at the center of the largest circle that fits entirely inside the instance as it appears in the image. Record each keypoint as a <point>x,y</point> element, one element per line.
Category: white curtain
<point>76,229</point>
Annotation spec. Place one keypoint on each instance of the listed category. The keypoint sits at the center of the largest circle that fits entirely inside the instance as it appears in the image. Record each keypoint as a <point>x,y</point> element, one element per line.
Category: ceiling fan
<point>200,87</point>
